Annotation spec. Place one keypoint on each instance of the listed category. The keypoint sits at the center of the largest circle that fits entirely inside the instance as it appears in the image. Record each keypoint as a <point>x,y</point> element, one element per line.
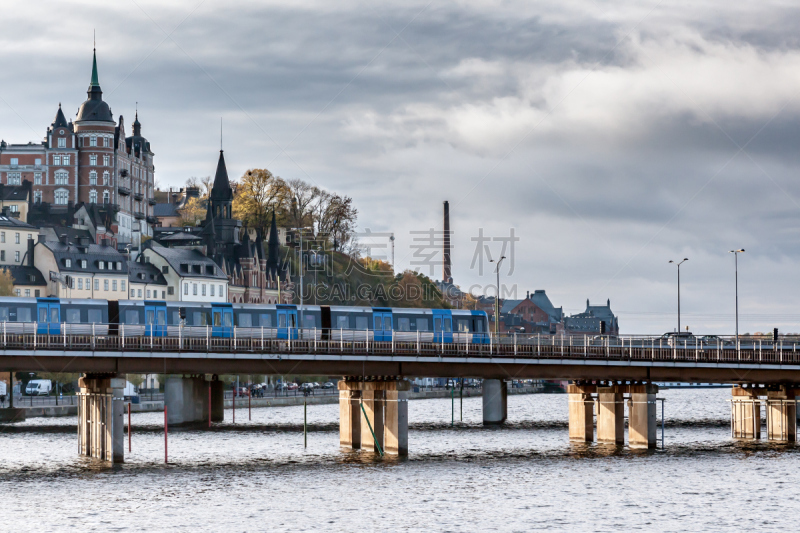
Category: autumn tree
<point>257,194</point>
<point>6,283</point>
<point>193,212</point>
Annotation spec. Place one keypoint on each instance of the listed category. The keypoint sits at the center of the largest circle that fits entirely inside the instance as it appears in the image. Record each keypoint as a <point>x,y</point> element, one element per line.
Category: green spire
<point>95,82</point>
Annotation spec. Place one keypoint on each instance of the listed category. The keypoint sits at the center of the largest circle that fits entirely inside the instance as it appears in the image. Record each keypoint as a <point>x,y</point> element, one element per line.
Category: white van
<point>38,387</point>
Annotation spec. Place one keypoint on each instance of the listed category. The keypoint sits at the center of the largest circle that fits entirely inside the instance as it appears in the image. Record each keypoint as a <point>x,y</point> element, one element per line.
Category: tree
<point>193,211</point>
<point>206,183</point>
<point>6,283</point>
<point>258,193</point>
<point>301,199</point>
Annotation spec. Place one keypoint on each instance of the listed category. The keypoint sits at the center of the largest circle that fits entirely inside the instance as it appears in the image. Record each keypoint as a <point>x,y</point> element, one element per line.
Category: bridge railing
<point>263,340</point>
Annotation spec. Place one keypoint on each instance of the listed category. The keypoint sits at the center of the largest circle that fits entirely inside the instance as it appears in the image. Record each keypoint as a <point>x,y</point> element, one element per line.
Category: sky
<point>608,137</point>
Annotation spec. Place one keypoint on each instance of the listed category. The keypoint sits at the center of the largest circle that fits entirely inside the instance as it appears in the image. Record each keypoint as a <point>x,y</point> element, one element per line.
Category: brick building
<point>89,160</point>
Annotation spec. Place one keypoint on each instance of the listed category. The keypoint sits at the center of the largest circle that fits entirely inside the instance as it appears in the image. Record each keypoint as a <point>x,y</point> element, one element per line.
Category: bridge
<point>607,373</point>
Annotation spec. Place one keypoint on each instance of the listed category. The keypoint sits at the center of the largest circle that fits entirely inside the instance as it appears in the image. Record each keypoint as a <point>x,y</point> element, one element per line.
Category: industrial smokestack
<point>446,266</point>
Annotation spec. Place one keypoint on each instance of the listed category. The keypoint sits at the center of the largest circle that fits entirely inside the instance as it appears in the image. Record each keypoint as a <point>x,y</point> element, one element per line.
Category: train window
<point>448,325</point>
<point>73,316</point>
<point>378,323</point>
<point>266,320</point>
<point>217,319</point>
<point>54,315</point>
<point>3,314</point>
<point>42,314</point>
<point>131,316</point>
<point>437,324</point>
<point>227,319</point>
<point>23,314</point>
<point>281,320</point>
<point>361,323</point>
<point>245,320</point>
<point>309,321</point>
<point>478,325</point>
<point>95,316</point>
<point>463,326</point>
<point>422,324</point>
<point>149,316</point>
<point>199,319</point>
<point>342,322</point>
<point>403,324</point>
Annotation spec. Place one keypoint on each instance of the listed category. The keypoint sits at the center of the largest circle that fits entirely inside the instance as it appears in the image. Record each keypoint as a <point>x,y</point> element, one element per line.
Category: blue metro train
<point>162,318</point>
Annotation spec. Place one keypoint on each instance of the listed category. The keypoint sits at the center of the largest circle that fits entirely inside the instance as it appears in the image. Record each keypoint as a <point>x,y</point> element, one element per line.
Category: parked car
<point>281,386</point>
<point>39,387</point>
<point>679,338</point>
<point>292,386</point>
<point>329,385</point>
<point>307,387</point>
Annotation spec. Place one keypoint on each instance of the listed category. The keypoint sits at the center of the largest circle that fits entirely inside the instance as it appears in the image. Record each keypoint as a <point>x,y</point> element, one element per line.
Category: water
<point>256,476</point>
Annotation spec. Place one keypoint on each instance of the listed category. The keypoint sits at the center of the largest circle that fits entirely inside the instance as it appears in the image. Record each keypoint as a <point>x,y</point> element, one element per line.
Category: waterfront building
<point>14,237</point>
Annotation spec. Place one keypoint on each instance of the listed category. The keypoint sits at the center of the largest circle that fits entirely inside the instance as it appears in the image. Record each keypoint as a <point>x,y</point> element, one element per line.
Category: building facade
<point>190,276</point>
<point>89,160</point>
<point>14,237</point>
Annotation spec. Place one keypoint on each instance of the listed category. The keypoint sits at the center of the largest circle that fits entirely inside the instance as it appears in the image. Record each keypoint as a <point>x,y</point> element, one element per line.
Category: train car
<point>48,315</point>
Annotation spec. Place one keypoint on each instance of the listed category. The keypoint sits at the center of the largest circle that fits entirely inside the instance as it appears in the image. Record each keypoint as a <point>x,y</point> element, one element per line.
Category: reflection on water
<point>256,475</point>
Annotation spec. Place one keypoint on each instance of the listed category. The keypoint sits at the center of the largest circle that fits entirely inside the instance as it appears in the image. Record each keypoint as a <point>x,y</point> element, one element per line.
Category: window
<point>37,178</point>
<point>463,326</point>
<point>93,160</point>
<point>105,284</point>
<point>204,289</point>
<point>24,315</point>
<point>14,178</point>
<point>92,178</point>
<point>119,265</point>
<point>165,270</point>
<point>106,197</point>
<point>212,289</point>
<point>105,143</point>
<point>16,238</point>
<point>68,263</point>
<point>62,143</point>
<point>171,290</point>
<point>133,293</point>
<point>361,322</point>
<point>88,284</point>
<point>221,293</point>
<point>140,292</point>
<point>199,319</point>
<point>266,320</point>
<point>101,265</point>
<point>37,197</point>
<point>16,256</point>
<point>245,320</point>
<point>56,159</point>
<point>36,294</point>
<point>93,141</point>
<point>73,316</point>
<point>80,284</point>
<point>163,295</point>
<point>27,293</point>
<point>106,176</point>
<point>114,285</point>
<point>403,324</point>
<point>2,255</point>
<point>342,322</point>
<point>2,236</point>
<point>105,160</point>
<point>62,178</point>
<point>309,321</point>
<point>65,159</point>
<point>422,324</point>
<point>17,292</point>
<point>97,284</point>
<point>123,286</point>
<point>93,196</point>
<point>148,294</point>
<point>83,263</point>
<point>95,316</point>
<point>14,161</point>
<point>61,197</point>
<point>186,289</point>
<point>131,316</point>
<point>194,289</point>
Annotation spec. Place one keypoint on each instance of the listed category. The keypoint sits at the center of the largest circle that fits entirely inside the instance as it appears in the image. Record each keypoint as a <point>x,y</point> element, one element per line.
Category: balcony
<point>151,219</point>
<point>151,201</point>
<point>138,196</point>
<point>124,191</point>
<point>138,215</point>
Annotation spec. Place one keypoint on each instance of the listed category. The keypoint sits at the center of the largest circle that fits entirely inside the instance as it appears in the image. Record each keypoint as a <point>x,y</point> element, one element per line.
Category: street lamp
<point>300,230</point>
<point>679,289</point>
<point>497,298</point>
<point>736,262</point>
<point>316,267</point>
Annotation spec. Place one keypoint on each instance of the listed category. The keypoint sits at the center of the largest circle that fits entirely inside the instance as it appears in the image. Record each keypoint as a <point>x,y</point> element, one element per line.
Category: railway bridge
<point>607,375</point>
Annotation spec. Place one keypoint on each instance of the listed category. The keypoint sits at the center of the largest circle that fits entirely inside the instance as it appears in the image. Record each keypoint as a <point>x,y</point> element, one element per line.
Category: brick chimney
<point>447,276</point>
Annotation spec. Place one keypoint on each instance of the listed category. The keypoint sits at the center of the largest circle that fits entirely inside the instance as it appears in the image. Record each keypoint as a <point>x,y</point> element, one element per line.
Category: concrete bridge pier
<point>187,399</point>
<point>610,415</point>
<point>101,422</point>
<point>495,402</point>
<point>385,412</point>
<point>581,412</point>
<point>745,413</point>
<point>642,416</point>
<point>782,415</point>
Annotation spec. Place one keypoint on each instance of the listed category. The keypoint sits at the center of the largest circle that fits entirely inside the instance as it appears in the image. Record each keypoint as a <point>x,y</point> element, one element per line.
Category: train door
<point>155,319</point>
<point>479,328</point>
<point>48,316</point>
<point>222,320</point>
<point>442,326</point>
<point>287,322</point>
<point>382,324</point>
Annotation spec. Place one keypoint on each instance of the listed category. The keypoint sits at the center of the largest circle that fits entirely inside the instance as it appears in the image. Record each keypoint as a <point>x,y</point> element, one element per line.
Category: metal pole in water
<point>249,408</point>
<point>209,404</point>
<point>234,405</point>
<point>462,400</point>
<point>305,424</point>
<point>166,431</point>
<point>129,427</point>
<point>452,405</point>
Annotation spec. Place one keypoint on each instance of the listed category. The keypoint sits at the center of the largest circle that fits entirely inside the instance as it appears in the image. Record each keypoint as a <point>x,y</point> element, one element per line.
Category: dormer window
<point>119,265</point>
<point>62,143</point>
<point>68,263</point>
<point>100,265</point>
<point>83,263</point>
<point>210,270</point>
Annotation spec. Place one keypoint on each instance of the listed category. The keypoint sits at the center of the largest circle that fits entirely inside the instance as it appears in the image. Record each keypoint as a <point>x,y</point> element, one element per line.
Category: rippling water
<point>256,475</point>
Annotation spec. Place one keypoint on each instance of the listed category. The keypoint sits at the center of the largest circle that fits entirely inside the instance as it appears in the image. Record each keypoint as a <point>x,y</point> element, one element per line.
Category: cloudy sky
<point>610,137</point>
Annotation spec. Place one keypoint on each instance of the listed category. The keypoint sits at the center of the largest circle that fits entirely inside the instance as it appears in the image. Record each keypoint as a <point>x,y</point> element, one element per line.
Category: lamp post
<point>497,298</point>
<point>300,230</point>
<point>679,289</point>
<point>736,263</point>
<point>316,267</point>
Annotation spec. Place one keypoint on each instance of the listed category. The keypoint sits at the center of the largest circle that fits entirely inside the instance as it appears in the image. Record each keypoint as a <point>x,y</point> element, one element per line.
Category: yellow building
<point>16,198</point>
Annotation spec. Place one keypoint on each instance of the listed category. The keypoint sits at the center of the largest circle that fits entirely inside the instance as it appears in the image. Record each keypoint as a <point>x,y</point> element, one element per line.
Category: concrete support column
<point>782,415</point>
<point>217,400</point>
<point>397,419</point>
<point>581,412</point>
<point>101,417</point>
<point>373,402</point>
<point>495,402</point>
<point>745,414</point>
<point>642,416</point>
<point>610,415</point>
<point>186,399</point>
<point>349,415</point>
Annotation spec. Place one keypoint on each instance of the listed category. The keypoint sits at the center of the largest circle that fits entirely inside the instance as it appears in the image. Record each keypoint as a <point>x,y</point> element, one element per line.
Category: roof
<point>189,262</point>
<point>540,300</point>
<point>26,275</point>
<point>222,187</point>
<point>72,234</point>
<point>60,120</point>
<point>15,193</point>
<point>145,273</point>
<point>93,254</point>
<point>166,210</point>
<point>15,223</point>
<point>94,108</point>
<point>182,236</point>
